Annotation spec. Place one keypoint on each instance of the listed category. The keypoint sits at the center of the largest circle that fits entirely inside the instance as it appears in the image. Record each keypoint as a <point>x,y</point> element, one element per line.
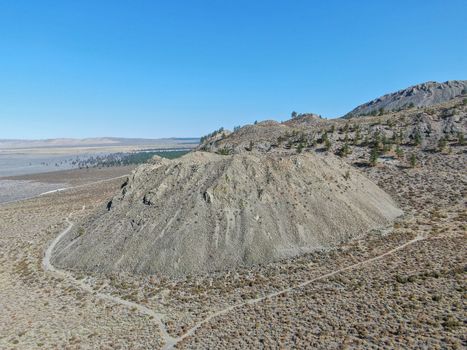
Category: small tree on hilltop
<point>366,141</point>
<point>358,136</point>
<point>377,140</point>
<point>399,152</point>
<point>344,150</point>
<point>417,138</point>
<point>374,156</point>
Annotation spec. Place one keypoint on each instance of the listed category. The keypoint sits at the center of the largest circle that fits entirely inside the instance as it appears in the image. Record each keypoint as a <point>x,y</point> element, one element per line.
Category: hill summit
<point>421,95</point>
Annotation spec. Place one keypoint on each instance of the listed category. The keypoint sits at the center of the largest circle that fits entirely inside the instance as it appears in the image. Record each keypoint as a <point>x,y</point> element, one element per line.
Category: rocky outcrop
<point>421,95</point>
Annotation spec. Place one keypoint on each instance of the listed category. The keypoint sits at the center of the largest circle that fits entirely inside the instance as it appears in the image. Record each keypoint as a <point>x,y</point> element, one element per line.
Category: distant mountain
<point>98,142</point>
<point>421,95</point>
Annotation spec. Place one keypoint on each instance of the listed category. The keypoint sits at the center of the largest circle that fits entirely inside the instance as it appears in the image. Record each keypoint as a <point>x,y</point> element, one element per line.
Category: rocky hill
<point>206,212</point>
<point>413,130</point>
<point>262,193</point>
<point>421,95</point>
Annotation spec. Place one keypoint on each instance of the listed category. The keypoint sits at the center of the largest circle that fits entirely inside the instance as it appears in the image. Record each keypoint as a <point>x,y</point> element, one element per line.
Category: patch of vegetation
<point>413,160</point>
<point>124,159</point>
<point>399,152</point>
<point>300,147</point>
<point>344,151</point>
<point>417,138</point>
<point>81,231</point>
<point>442,143</point>
<point>460,138</point>
<point>224,151</point>
<point>374,156</point>
<point>208,136</point>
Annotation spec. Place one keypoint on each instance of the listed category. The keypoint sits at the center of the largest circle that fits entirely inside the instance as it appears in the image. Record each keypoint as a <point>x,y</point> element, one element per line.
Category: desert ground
<point>400,289</point>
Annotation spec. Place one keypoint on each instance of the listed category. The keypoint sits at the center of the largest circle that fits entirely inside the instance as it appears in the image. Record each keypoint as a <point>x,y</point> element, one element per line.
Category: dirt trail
<point>170,341</point>
<point>192,330</point>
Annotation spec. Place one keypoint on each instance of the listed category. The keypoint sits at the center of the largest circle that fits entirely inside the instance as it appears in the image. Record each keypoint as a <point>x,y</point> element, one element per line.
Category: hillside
<point>205,212</point>
<point>413,130</point>
<point>421,95</point>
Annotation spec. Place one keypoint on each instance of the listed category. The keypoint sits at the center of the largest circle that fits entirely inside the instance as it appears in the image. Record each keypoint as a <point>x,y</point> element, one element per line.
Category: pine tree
<point>374,156</point>
<point>399,152</point>
<point>417,139</point>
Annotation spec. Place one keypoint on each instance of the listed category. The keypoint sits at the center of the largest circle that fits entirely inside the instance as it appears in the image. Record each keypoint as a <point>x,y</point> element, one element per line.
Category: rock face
<point>422,95</point>
<point>206,212</point>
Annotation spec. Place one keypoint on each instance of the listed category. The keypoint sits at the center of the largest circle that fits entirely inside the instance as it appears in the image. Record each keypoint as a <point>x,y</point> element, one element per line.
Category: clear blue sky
<point>183,68</point>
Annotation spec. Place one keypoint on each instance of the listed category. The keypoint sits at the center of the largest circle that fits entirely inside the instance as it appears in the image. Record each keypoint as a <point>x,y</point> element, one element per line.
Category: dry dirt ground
<point>358,296</point>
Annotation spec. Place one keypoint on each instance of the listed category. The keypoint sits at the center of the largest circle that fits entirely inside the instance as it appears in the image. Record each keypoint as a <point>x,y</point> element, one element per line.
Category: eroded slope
<point>206,212</point>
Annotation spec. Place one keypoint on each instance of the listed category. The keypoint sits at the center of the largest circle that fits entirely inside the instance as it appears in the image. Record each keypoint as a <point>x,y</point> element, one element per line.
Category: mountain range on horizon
<point>96,142</point>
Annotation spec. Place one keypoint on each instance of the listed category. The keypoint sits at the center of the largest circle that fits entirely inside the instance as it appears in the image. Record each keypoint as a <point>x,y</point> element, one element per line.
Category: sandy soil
<point>41,310</point>
<point>14,188</point>
<point>74,177</point>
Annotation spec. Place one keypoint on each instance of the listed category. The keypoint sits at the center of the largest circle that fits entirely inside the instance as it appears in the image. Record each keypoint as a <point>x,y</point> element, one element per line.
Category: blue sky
<point>183,68</point>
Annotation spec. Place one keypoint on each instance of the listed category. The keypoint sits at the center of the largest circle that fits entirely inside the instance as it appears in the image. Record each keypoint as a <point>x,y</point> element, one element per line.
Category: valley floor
<point>406,289</point>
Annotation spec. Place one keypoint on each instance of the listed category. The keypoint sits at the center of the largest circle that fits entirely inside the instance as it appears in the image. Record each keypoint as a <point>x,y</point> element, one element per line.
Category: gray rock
<point>421,95</point>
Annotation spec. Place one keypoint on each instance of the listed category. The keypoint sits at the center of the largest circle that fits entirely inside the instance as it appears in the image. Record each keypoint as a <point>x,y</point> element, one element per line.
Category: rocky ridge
<point>421,95</point>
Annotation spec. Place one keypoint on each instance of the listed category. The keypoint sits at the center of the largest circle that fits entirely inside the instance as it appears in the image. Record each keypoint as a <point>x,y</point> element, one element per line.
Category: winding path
<point>170,341</point>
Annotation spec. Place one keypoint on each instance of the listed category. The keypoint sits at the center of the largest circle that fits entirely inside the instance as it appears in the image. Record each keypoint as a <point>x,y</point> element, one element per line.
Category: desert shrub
<point>442,143</point>
<point>224,151</point>
<point>300,147</point>
<point>81,231</point>
<point>413,160</point>
<point>460,138</point>
<point>451,323</point>
<point>401,279</point>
